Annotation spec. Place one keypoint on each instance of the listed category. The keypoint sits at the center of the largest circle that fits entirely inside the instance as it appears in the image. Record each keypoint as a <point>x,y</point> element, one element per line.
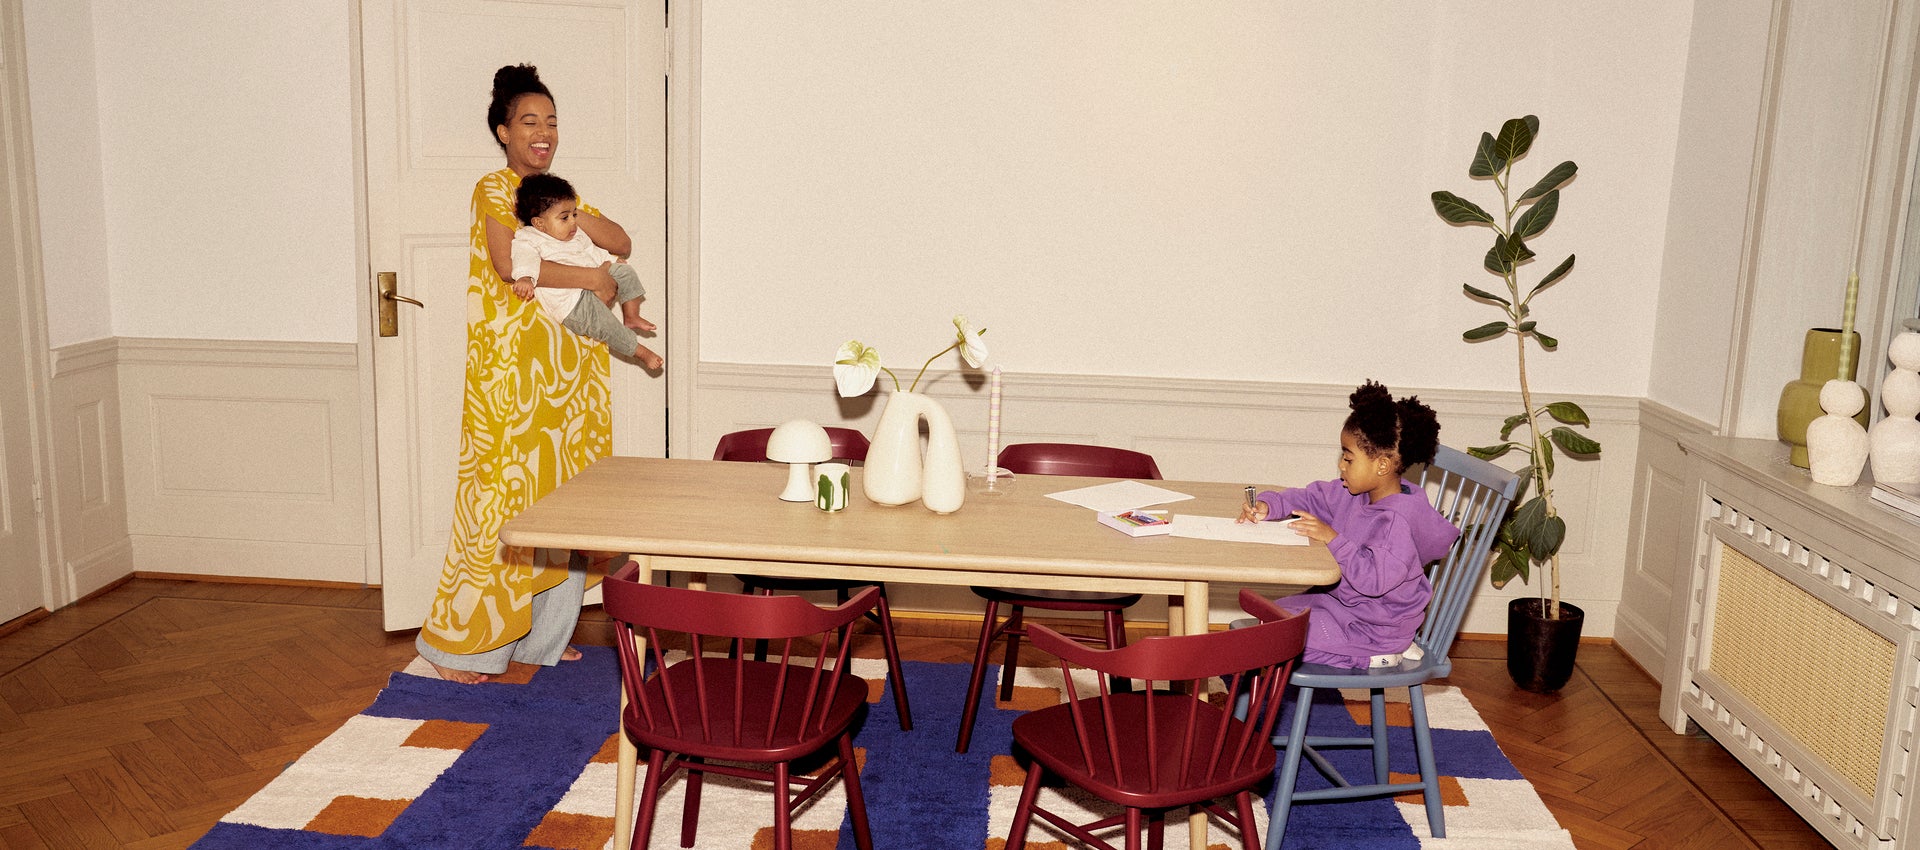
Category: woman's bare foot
<point>646,356</point>
<point>570,654</point>
<point>464,677</point>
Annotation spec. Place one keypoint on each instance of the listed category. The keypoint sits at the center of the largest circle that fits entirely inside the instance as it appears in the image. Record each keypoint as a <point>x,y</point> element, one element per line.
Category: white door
<point>427,71</point>
<point>21,558</point>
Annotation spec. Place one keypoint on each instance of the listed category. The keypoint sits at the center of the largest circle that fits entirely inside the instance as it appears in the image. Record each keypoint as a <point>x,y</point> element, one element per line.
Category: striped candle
<point>993,426</point>
<point>1846,326</point>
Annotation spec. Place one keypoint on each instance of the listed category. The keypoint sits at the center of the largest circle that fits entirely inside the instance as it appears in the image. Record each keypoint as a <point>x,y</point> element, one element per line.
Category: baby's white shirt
<point>531,245</point>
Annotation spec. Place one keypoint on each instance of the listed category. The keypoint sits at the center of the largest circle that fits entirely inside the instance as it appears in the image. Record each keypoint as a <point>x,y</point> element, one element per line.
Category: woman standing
<point>535,412</point>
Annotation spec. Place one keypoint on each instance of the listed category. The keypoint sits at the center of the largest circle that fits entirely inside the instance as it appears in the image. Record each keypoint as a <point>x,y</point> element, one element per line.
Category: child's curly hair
<point>537,194</point>
<point>1406,428</point>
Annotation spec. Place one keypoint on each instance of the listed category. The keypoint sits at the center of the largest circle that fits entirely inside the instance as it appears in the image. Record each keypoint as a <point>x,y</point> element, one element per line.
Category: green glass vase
<point>1800,399</point>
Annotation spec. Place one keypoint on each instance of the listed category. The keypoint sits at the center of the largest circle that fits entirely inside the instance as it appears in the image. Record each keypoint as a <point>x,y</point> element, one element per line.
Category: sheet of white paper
<point>1118,496</point>
<point>1224,528</point>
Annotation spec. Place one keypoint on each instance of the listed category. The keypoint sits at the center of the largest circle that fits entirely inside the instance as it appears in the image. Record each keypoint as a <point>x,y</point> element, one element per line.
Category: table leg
<point>1193,618</point>
<point>629,754</point>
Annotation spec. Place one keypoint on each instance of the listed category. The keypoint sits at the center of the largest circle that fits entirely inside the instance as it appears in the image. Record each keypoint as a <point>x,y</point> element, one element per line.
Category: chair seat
<point>1398,676</point>
<point>1184,774</point>
<point>738,731</point>
<point>1059,600</point>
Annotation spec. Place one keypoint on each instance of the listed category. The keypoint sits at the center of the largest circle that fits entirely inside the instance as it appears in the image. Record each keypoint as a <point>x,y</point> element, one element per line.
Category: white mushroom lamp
<point>799,444</point>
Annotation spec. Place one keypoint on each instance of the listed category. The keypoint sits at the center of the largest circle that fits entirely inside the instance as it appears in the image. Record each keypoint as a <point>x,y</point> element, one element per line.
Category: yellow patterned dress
<point>535,411</point>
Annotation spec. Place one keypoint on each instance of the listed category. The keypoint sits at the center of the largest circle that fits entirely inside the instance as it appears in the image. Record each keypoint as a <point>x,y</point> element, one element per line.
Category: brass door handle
<point>389,318</point>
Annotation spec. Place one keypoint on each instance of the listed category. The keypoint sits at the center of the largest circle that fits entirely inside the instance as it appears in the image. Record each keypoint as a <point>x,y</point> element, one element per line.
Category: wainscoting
<point>245,459</point>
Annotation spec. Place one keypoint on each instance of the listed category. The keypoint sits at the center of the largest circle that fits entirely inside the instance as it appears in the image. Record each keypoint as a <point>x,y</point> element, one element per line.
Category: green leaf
<point>1568,412</point>
<point>1538,216</point>
<point>1507,563</point>
<point>1545,542</point>
<point>1546,342</point>
<point>1573,442</point>
<point>1514,421</point>
<point>1559,175</point>
<point>1476,292</point>
<point>1495,260</point>
<point>1558,272</point>
<point>1516,136</point>
<point>1457,210</point>
<point>1490,329</point>
<point>1526,327</point>
<point>1514,250</point>
<point>1543,454</point>
<point>1527,520</point>
<point>1483,164</point>
<point>1490,452</point>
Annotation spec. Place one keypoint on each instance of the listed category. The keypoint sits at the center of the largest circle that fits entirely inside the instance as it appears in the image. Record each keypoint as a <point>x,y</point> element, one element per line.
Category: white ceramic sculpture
<point>1836,444</point>
<point>1895,440</point>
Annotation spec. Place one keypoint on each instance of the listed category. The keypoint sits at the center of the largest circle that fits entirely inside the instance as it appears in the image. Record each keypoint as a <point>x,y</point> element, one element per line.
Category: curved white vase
<point>897,472</point>
<point>1894,442</point>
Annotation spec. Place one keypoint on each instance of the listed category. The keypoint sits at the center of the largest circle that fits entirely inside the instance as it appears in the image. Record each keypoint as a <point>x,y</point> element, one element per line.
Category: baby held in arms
<point>549,211</point>
<point>1380,528</point>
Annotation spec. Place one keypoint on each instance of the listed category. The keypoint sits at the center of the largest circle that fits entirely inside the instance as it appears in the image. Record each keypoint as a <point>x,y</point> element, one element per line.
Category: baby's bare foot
<point>646,357</point>
<point>638,324</point>
<point>464,677</point>
<point>570,654</point>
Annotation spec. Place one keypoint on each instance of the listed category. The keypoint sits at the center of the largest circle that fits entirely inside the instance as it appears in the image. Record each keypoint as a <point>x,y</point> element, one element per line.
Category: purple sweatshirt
<point>1383,548</point>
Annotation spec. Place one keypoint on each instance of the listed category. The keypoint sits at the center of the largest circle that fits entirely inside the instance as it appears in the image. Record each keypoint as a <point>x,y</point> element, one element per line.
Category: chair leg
<point>1289,767</point>
<point>690,813</point>
<point>894,672</point>
<point>1249,831</point>
<point>782,808</point>
<point>1429,773</point>
<point>972,706</point>
<point>649,799</point>
<point>1016,625</point>
<point>1133,828</point>
<point>1379,724</point>
<point>856,799</point>
<point>1023,813</point>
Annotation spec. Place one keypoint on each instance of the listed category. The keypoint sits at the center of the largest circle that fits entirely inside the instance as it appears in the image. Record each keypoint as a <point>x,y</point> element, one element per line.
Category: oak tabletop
<point>712,509</point>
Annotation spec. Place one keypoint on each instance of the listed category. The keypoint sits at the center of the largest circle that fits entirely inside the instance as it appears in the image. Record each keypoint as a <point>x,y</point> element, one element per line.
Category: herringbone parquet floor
<point>138,717</point>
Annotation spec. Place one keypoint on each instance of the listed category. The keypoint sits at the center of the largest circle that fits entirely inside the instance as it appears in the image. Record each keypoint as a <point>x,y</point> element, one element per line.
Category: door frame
<point>17,182</point>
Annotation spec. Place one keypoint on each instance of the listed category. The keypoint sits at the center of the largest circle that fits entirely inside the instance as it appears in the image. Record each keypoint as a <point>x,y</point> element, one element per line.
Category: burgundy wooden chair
<point>1048,459</point>
<point>728,714</point>
<point>1159,747</point>
<point>848,444</point>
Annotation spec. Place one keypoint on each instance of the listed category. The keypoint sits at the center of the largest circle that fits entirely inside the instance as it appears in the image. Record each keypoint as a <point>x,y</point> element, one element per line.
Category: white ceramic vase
<point>897,471</point>
<point>1895,440</point>
<point>1836,444</point>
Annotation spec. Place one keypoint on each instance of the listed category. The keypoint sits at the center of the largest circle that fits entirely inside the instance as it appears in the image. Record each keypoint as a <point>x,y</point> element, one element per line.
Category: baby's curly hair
<point>1406,428</point>
<point>509,84</point>
<point>537,194</point>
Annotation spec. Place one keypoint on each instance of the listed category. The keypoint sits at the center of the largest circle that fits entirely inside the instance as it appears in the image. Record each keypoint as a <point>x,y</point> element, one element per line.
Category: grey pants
<point>595,320</point>
<point>555,612</point>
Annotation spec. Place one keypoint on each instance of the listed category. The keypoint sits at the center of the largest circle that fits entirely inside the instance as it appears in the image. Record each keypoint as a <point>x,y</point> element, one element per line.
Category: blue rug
<point>529,762</point>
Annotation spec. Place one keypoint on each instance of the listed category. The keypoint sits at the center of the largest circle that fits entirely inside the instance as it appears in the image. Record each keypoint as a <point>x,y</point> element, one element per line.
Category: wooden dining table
<point>701,516</point>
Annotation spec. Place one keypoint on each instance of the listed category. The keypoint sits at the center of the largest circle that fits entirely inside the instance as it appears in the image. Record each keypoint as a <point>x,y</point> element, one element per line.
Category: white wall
<point>201,155</point>
<point>1231,190</point>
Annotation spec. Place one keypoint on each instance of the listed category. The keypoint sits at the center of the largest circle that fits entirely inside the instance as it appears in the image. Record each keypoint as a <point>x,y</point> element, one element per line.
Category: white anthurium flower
<point>855,367</point>
<point>973,348</point>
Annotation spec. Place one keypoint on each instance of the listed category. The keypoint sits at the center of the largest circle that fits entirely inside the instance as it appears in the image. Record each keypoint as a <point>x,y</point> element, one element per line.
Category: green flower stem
<point>923,366</point>
<point>896,378</point>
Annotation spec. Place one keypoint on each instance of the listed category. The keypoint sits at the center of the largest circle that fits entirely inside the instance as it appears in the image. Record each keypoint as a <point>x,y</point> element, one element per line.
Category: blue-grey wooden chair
<point>1473,495</point>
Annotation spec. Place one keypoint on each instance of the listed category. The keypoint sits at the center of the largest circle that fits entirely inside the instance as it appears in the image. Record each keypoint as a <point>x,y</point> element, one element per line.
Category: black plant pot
<point>1540,651</point>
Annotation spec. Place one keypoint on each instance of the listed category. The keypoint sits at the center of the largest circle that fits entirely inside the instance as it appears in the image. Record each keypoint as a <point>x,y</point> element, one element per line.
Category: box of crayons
<point>1138,523</point>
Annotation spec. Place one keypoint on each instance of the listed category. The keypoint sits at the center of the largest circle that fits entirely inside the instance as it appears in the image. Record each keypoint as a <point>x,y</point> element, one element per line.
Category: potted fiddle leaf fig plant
<point>1543,633</point>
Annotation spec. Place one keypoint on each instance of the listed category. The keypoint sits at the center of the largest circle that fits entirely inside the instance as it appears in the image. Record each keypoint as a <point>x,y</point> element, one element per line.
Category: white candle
<point>993,426</point>
<point>1846,326</point>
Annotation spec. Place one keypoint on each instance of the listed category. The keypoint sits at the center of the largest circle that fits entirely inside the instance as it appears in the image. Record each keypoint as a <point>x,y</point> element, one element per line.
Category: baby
<point>549,209</point>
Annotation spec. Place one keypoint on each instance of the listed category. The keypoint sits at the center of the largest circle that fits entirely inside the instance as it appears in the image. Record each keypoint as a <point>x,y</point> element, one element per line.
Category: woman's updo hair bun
<point>1406,427</point>
<point>509,83</point>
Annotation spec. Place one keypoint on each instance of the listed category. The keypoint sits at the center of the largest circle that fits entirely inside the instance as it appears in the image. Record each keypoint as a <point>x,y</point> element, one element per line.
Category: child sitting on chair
<point>1380,528</point>
<point>548,208</point>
